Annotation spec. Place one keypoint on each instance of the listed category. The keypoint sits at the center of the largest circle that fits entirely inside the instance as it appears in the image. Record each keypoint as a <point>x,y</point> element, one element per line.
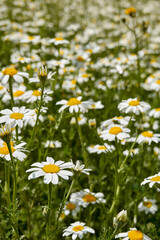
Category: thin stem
<point>14,173</point>
<point>82,141</point>
<point>11,91</point>
<point>49,210</point>
<point>37,119</point>
<point>7,181</point>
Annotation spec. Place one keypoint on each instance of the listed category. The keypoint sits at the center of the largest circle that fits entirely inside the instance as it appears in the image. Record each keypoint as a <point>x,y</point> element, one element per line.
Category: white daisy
<point>51,170</point>
<point>155,85</point>
<point>12,72</point>
<point>6,130</point>
<point>132,153</point>
<point>74,104</point>
<point>36,79</point>
<point>133,105</point>
<point>17,151</point>
<point>81,120</point>
<point>155,113</point>
<point>34,95</point>
<point>58,40</point>
<point>152,180</point>
<point>148,137</point>
<point>52,144</point>
<point>115,131</point>
<point>95,105</point>
<point>148,205</point>
<point>17,114</point>
<point>80,168</point>
<point>103,148</point>
<point>85,197</point>
<point>71,208</point>
<point>133,234</point>
<point>77,229</point>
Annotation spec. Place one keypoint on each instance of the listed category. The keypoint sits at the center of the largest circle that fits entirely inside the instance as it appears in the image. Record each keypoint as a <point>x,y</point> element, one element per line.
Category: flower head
<point>6,130</point>
<point>115,131</point>
<point>12,72</point>
<point>51,170</point>
<point>148,206</point>
<point>77,229</point>
<point>133,234</point>
<point>152,180</point>
<point>74,105</point>
<point>80,168</point>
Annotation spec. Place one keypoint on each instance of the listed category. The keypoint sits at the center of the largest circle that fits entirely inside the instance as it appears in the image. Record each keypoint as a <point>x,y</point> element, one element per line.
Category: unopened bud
<point>42,73</point>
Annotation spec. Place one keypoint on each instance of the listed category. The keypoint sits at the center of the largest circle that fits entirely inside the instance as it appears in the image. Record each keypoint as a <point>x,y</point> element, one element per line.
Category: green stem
<point>11,91</point>
<point>37,119</point>
<point>82,141</point>
<point>49,211</point>
<point>7,181</point>
<point>14,174</point>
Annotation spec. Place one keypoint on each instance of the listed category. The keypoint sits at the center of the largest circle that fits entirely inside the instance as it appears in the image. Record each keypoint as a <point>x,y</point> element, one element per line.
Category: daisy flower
<point>51,170</point>
<point>6,130</point>
<point>71,208</point>
<point>74,105</point>
<point>155,113</point>
<point>116,120</point>
<point>85,197</point>
<point>157,152</point>
<point>34,95</point>
<point>17,151</point>
<point>80,168</point>
<point>42,72</point>
<point>115,131</point>
<point>77,229</point>
<point>132,153</point>
<point>95,105</point>
<point>103,148</point>
<point>52,144</point>
<point>133,234</point>
<point>155,85</point>
<point>148,205</point>
<point>133,105</point>
<point>148,137</point>
<point>12,72</point>
<point>58,40</point>
<point>17,114</point>
<point>81,120</point>
<point>152,180</point>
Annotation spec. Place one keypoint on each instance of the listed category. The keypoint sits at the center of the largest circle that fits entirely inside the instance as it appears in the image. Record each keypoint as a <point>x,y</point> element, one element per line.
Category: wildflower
<point>148,206</point>
<point>12,72</point>
<point>6,130</point>
<point>42,73</point>
<point>132,152</point>
<point>130,11</point>
<point>116,120</point>
<point>34,95</point>
<point>92,123</point>
<point>95,105</point>
<point>155,113</point>
<point>133,234</point>
<point>81,120</point>
<point>71,208</point>
<point>148,137</point>
<point>121,217</point>
<point>133,105</point>
<point>102,148</point>
<point>77,229</point>
<point>17,151</point>
<point>115,131</point>
<point>80,168</point>
<point>52,144</point>
<point>17,114</point>
<point>58,40</point>
<point>51,170</point>
<point>152,180</point>
<point>74,104</point>
<point>155,85</point>
<point>85,197</point>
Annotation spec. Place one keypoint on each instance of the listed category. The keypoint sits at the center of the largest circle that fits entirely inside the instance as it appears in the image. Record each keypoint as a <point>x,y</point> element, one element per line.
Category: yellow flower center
<point>119,117</point>
<point>115,130</point>
<point>73,101</point>
<point>80,59</point>
<point>77,228</point>
<point>85,75</point>
<point>102,148</point>
<point>62,216</point>
<point>18,93</point>
<point>71,206</point>
<point>36,93</point>
<point>21,58</point>
<point>16,116</point>
<point>133,103</point>
<point>147,204</point>
<point>30,38</point>
<point>51,168</point>
<point>147,134</point>
<point>59,38</point>
<point>9,71</point>
<point>93,105</point>
<point>101,83</point>
<point>158,81</point>
<point>73,81</point>
<point>157,109</point>
<point>135,235</point>
<point>4,150</point>
<point>155,179</point>
<point>89,198</point>
<point>1,87</point>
